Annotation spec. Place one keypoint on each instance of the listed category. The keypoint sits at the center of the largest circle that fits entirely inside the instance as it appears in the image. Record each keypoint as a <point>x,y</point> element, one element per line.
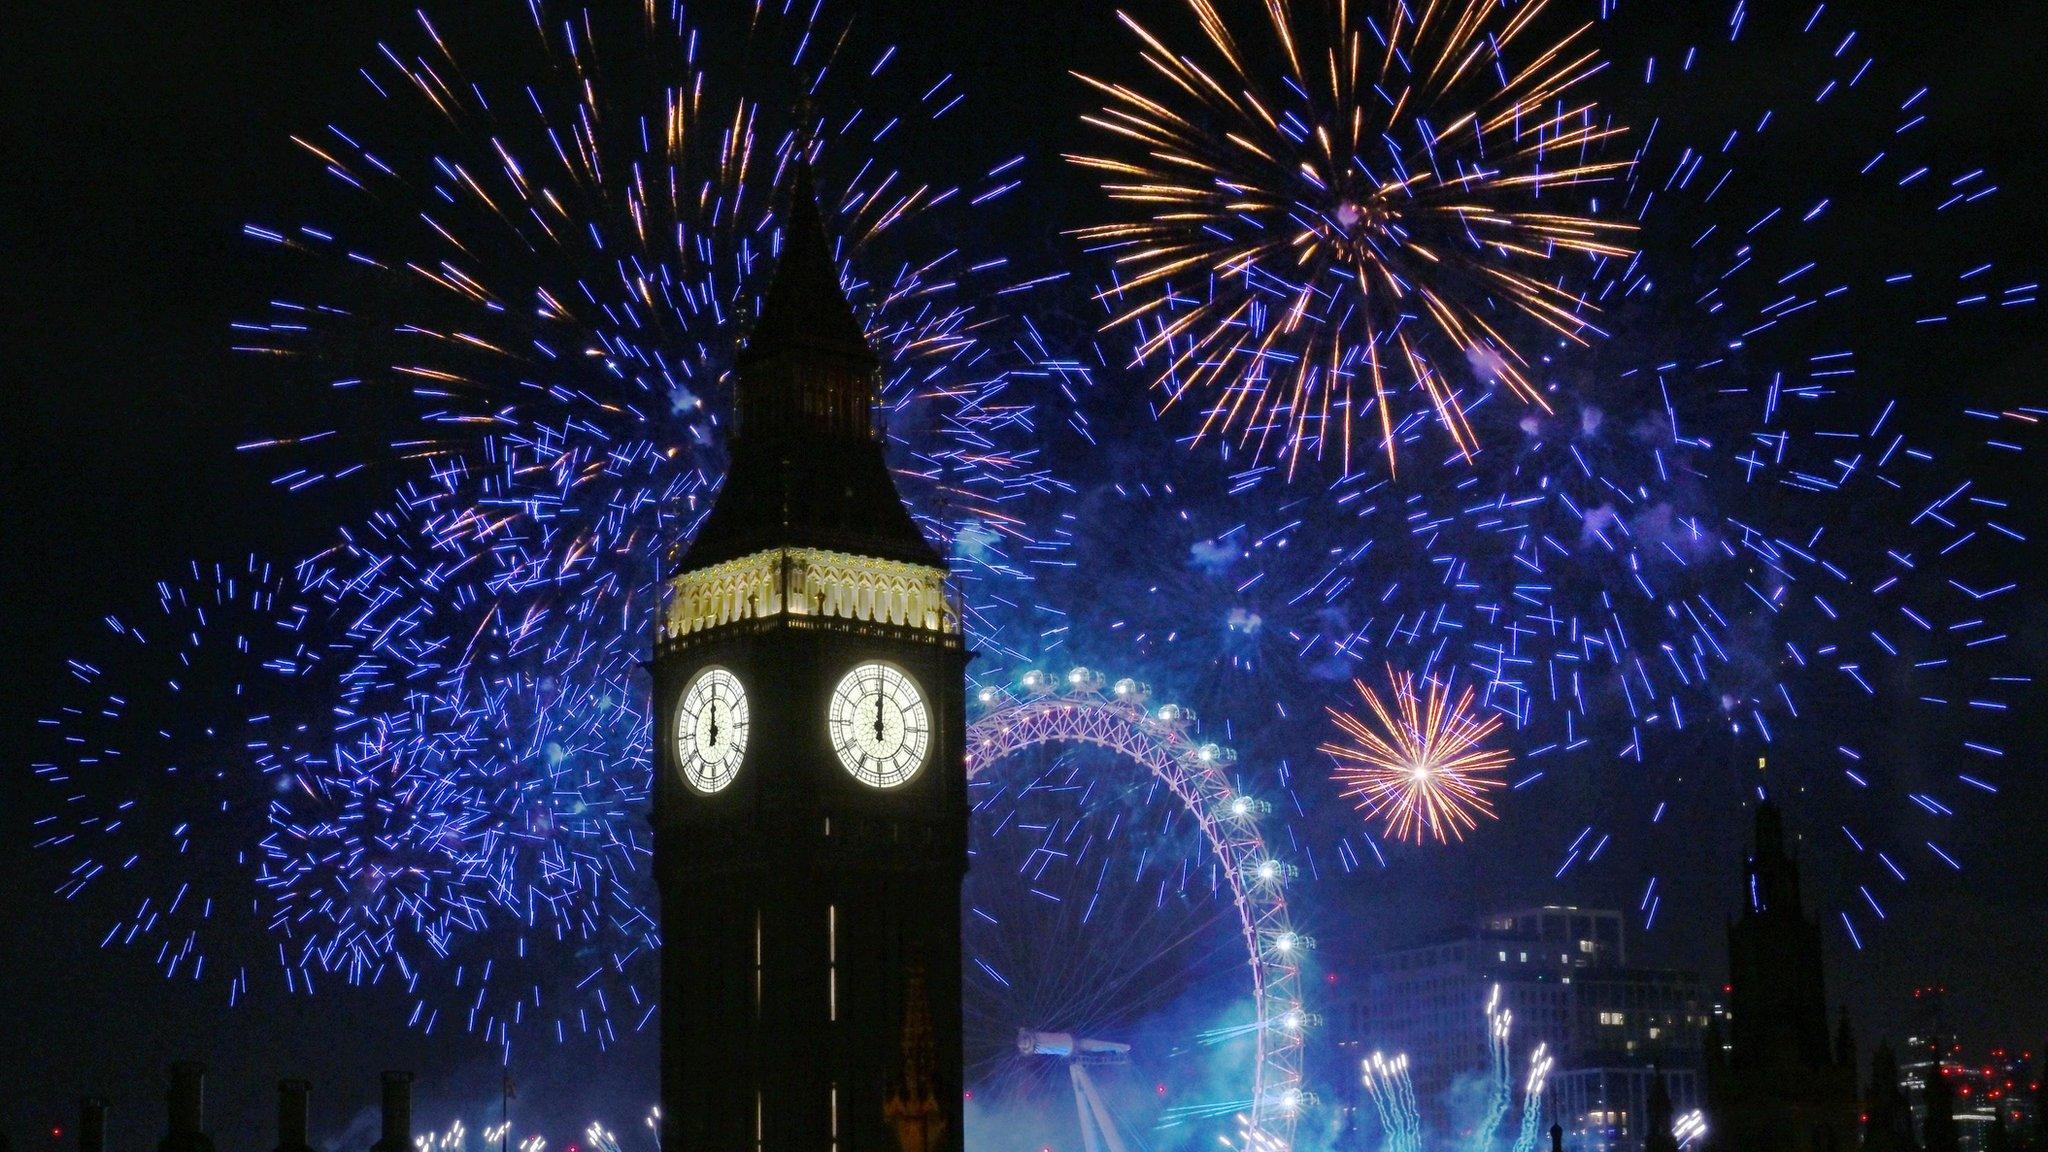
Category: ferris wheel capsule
<point>1242,807</point>
<point>1036,682</point>
<point>1084,680</point>
<point>1133,691</point>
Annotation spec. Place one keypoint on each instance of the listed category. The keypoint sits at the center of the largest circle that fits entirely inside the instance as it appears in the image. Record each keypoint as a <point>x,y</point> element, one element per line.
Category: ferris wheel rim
<point>1077,709</point>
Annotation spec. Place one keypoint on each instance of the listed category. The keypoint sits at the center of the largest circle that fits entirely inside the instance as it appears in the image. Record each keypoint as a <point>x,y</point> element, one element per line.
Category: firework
<point>1347,230</point>
<point>1421,768</point>
<point>1724,534</point>
<point>246,797</point>
<point>179,730</point>
<point>1531,1126</point>
<point>1500,1095</point>
<point>1387,1082</point>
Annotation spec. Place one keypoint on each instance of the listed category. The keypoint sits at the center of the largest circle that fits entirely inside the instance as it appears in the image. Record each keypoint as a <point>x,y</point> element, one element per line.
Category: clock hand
<point>714,723</point>
<point>878,717</point>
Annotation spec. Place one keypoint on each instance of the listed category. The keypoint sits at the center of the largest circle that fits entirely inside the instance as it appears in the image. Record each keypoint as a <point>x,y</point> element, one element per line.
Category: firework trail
<point>1532,1100</point>
<point>1500,1072</point>
<point>1689,1128</point>
<point>1353,227</point>
<point>454,1138</point>
<point>183,728</point>
<point>1251,1139</point>
<point>280,818</point>
<point>1074,854</point>
<point>1421,769</point>
<point>1393,1097</point>
<point>601,1138</point>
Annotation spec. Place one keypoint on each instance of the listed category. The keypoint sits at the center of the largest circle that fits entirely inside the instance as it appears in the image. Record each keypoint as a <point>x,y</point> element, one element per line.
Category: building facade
<point>2001,1086</point>
<point>1609,1109</point>
<point>810,807</point>
<point>1564,975</point>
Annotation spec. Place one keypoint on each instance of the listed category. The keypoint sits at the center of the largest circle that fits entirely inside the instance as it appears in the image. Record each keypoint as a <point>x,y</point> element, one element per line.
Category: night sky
<point>144,137</point>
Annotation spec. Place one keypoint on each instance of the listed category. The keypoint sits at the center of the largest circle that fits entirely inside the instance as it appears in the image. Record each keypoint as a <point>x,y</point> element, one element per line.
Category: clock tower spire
<point>806,465</point>
<point>810,800</point>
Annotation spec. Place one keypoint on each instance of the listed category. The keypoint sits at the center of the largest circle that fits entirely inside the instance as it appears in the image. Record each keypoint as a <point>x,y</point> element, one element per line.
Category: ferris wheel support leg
<point>1084,1088</point>
<point>1089,1139</point>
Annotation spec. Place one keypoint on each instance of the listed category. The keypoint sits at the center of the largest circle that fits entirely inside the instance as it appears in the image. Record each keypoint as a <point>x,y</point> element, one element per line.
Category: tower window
<point>832,977</point>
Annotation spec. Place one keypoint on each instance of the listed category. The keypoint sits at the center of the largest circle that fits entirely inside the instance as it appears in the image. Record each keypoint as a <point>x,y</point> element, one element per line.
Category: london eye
<point>1121,889</point>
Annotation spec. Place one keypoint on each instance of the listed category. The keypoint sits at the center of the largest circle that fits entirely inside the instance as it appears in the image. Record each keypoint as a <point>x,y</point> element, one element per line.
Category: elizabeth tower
<point>810,800</point>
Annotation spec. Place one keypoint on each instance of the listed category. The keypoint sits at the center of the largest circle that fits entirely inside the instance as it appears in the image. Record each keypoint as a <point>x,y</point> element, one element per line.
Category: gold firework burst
<point>1384,218</point>
<point>1417,766</point>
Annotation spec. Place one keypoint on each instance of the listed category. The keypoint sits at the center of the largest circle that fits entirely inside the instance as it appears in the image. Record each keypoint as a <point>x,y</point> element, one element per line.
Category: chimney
<point>188,1109</point>
<point>291,1115</point>
<point>397,1114</point>
<point>92,1125</point>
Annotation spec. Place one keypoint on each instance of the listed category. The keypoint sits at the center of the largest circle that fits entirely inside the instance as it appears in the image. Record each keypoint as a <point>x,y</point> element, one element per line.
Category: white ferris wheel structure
<point>1080,708</point>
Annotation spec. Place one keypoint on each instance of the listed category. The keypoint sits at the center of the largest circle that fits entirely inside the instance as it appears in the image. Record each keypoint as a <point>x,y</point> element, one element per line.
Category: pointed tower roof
<point>805,310</point>
<point>1773,875</point>
<point>807,468</point>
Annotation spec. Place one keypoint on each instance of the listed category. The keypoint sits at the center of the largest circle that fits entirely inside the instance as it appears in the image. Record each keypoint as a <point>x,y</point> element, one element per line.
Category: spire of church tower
<point>1773,873</point>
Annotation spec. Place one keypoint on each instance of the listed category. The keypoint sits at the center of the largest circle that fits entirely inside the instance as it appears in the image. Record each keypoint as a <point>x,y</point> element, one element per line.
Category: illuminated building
<point>810,804</point>
<point>1609,1109</point>
<point>1564,975</point>
<point>1979,1091</point>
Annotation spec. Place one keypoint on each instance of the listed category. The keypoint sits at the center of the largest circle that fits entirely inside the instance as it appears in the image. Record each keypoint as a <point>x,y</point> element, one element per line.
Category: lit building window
<point>1612,1019</point>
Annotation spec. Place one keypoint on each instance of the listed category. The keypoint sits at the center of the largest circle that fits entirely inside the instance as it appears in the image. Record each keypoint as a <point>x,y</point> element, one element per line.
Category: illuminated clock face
<point>881,728</point>
<point>711,730</point>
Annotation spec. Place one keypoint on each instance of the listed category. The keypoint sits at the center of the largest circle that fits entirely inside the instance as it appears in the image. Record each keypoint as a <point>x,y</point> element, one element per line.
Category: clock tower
<point>810,799</point>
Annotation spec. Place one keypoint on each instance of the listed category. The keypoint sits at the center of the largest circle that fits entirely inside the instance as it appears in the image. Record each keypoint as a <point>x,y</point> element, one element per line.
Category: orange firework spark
<point>1303,251</point>
<point>1420,769</point>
